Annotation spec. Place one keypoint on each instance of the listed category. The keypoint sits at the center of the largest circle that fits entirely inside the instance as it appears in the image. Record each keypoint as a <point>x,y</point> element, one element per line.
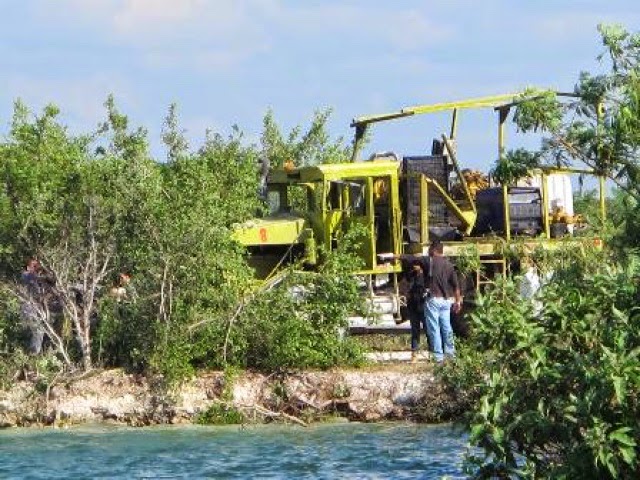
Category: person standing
<point>415,294</point>
<point>124,291</point>
<point>31,280</point>
<point>443,297</point>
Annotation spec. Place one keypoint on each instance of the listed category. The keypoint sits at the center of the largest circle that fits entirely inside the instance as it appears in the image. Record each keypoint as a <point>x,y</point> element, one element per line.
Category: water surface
<point>332,451</point>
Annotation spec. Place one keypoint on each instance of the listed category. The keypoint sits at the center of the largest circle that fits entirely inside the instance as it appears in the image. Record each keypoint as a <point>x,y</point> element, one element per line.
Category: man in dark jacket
<point>34,293</point>
<point>415,295</point>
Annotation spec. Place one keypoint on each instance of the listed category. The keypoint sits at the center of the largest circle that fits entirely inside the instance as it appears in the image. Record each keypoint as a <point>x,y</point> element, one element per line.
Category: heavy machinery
<point>403,203</point>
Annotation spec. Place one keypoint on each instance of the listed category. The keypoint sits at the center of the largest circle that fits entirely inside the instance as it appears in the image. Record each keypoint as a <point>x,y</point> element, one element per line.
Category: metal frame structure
<point>332,189</point>
<point>501,104</point>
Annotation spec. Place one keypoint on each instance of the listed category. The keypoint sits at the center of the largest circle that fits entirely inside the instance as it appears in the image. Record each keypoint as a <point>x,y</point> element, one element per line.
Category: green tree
<point>514,165</point>
<point>302,148</point>
<point>600,126</point>
<point>560,386</point>
<point>93,206</point>
<point>48,212</point>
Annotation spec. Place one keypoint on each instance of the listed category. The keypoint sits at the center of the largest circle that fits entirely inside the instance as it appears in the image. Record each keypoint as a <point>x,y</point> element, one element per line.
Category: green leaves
<point>538,110</point>
<point>309,148</point>
<point>621,435</point>
<point>514,165</point>
<point>563,383</point>
<point>600,125</point>
<point>167,224</point>
<point>300,323</point>
<point>622,47</point>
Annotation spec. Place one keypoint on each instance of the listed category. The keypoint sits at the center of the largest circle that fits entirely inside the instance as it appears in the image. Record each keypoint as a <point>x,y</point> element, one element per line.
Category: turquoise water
<point>350,451</point>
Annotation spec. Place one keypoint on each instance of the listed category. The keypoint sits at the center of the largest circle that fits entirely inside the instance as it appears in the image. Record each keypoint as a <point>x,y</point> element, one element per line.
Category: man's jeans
<point>437,313</point>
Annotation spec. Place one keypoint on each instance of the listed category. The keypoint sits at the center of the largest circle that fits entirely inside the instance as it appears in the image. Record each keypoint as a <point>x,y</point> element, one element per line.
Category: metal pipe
<point>424,211</point>
<point>600,117</point>
<point>358,140</point>
<point>502,116</point>
<point>507,213</point>
<point>545,208</point>
<point>603,209</point>
<point>454,124</point>
<point>461,179</point>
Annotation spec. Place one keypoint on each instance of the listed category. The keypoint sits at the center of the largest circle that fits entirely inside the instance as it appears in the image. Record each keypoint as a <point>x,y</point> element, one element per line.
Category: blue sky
<point>226,62</point>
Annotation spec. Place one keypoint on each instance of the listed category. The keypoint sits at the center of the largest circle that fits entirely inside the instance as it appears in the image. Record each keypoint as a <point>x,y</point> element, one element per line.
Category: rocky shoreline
<point>394,392</point>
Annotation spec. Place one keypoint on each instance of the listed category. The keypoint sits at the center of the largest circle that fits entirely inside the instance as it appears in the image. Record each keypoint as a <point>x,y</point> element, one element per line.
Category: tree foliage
<point>302,148</point>
<point>561,398</point>
<point>93,206</point>
<point>308,327</point>
<point>558,394</point>
<point>515,165</point>
<point>600,125</point>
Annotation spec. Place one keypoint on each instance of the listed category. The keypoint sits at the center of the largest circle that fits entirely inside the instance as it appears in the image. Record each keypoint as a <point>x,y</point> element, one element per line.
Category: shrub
<point>561,399</point>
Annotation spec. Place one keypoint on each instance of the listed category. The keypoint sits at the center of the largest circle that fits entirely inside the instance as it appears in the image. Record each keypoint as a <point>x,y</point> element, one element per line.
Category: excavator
<point>402,203</point>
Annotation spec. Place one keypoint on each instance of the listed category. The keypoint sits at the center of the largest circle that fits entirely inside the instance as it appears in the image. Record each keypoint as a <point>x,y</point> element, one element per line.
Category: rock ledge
<point>112,396</point>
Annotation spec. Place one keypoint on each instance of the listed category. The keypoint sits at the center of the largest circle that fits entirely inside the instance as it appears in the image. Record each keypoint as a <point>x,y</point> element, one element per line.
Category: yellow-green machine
<point>313,206</point>
<point>403,203</point>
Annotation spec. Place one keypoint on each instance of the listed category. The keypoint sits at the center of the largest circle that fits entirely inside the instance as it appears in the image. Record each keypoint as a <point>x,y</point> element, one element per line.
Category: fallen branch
<point>265,412</point>
<point>307,402</point>
<point>228,332</point>
<point>269,413</point>
<point>264,287</point>
<point>50,385</point>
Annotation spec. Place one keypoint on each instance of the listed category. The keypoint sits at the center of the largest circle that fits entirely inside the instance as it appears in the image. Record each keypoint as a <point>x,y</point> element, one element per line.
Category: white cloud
<point>403,28</point>
<point>135,15</point>
<point>150,22</point>
<point>415,31</point>
<point>168,33</point>
<point>196,127</point>
<point>232,31</point>
<point>124,16</point>
<point>207,60</point>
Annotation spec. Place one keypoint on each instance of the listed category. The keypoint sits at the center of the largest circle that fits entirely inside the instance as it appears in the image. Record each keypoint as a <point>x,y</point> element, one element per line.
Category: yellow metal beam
<point>366,119</point>
<point>467,217</point>
<point>492,101</point>
<point>496,246</point>
<point>461,179</point>
<point>533,95</point>
<point>507,212</point>
<point>424,210</point>
<point>499,102</point>
<point>454,124</point>
<point>550,170</point>
<point>502,117</point>
<point>545,206</point>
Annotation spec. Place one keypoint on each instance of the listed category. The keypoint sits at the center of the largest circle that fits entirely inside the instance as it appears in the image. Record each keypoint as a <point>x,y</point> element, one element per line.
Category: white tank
<point>559,192</point>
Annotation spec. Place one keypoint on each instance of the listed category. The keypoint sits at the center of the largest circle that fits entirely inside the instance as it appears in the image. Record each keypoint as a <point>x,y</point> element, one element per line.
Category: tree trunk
<point>85,340</point>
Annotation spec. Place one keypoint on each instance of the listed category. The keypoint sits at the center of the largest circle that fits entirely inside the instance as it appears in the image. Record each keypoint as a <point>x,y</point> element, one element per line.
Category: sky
<point>226,62</point>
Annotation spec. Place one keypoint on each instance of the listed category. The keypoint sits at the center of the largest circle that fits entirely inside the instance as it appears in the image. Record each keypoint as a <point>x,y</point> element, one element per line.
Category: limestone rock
<point>114,396</point>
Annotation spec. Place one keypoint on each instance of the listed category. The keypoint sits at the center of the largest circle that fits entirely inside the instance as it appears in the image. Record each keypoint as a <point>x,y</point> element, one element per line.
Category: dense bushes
<point>561,387</point>
<point>93,206</point>
<point>558,394</point>
<point>308,327</point>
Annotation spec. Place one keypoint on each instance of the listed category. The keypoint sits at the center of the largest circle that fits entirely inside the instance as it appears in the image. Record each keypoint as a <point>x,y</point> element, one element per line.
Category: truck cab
<point>309,210</point>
